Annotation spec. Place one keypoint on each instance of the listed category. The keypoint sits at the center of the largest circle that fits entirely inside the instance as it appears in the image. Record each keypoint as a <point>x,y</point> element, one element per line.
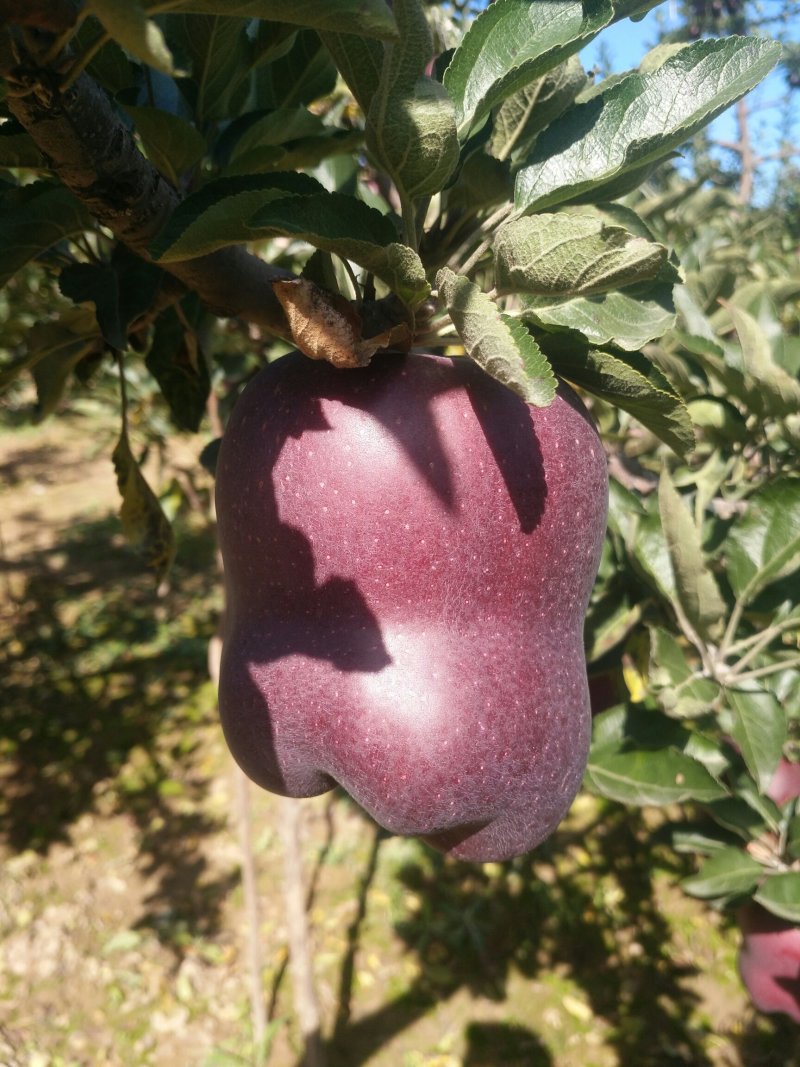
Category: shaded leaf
<point>144,523</point>
<point>216,50</point>
<point>729,871</point>
<point>359,61</point>
<point>629,381</point>
<point>127,23</point>
<point>304,74</point>
<point>32,219</point>
<point>513,42</point>
<point>522,117</point>
<point>677,688</point>
<point>121,291</point>
<point>763,546</point>
<point>218,214</point>
<point>780,894</point>
<point>18,148</point>
<point>759,729</point>
<point>350,229</point>
<point>502,347</point>
<point>171,143</point>
<point>780,391</point>
<point>178,366</point>
<point>368,18</point>
<point>641,118</point>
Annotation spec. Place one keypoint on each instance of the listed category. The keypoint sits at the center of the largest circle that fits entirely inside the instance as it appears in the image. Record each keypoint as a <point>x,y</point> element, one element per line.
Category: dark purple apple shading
<point>409,551</point>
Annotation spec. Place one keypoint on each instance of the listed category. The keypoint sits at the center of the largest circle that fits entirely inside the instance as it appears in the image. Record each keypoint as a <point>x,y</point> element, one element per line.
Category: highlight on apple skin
<point>769,961</point>
<point>409,551</point>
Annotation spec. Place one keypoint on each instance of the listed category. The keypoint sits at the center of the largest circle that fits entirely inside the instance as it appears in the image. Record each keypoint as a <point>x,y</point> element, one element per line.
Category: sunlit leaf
<point>641,118</point>
<point>513,42</point>
<point>502,347</point>
<point>728,871</point>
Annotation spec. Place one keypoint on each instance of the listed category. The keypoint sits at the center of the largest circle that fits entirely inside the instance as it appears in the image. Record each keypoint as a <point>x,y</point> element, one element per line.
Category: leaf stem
<point>763,672</point>
<point>756,642</point>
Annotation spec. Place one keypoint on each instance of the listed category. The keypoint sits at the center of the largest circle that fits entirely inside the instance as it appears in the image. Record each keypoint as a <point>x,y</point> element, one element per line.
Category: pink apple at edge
<point>785,784</point>
<point>409,551</point>
<point>769,961</point>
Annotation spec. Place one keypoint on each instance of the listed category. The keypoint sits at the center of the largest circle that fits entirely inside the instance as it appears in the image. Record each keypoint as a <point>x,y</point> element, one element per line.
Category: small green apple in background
<point>409,550</point>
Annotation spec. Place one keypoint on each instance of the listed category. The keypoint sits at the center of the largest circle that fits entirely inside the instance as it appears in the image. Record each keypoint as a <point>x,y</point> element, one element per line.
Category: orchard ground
<point>122,928</point>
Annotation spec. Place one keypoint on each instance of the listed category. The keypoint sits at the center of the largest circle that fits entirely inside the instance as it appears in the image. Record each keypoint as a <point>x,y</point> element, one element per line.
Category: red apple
<point>409,551</point>
<point>785,784</point>
<point>769,961</point>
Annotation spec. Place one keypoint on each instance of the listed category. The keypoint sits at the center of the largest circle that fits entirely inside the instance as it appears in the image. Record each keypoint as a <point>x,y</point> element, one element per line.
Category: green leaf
<point>678,691</point>
<point>127,22</point>
<point>286,139</point>
<point>513,42</point>
<point>32,219</point>
<point>766,808</point>
<point>780,392</point>
<point>651,778</point>
<point>121,291</point>
<point>216,49</point>
<point>411,128</point>
<point>18,148</point>
<point>218,215</point>
<point>571,255</point>
<point>359,61</point>
<point>368,18</point>
<point>686,838</point>
<point>522,117</point>
<point>727,872</point>
<point>482,182</point>
<point>349,228</point>
<point>738,816</point>
<point>763,546</point>
<point>759,729</point>
<point>171,143</point>
<point>144,523</point>
<point>695,585</point>
<point>780,894</point>
<point>631,382</point>
<point>178,366</point>
<point>67,339</point>
<point>304,74</point>
<point>502,347</point>
<point>51,373</point>
<point>625,319</point>
<point>641,118</point>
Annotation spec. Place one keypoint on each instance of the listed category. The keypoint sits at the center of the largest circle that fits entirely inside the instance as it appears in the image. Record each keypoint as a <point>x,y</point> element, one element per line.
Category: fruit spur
<point>409,550</point>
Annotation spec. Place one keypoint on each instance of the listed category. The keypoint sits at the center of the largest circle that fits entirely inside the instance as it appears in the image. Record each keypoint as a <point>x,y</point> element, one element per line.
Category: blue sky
<point>626,42</point>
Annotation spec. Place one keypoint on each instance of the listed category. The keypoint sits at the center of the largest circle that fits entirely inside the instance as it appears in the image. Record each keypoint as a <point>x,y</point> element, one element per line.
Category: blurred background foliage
<point>616,942</point>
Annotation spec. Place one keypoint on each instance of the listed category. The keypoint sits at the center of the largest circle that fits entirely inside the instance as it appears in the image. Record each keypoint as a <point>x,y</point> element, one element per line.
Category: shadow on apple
<point>409,551</point>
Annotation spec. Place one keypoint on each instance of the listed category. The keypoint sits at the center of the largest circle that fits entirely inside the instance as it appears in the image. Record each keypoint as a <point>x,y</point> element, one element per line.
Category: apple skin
<point>785,784</point>
<point>769,961</point>
<point>409,550</point>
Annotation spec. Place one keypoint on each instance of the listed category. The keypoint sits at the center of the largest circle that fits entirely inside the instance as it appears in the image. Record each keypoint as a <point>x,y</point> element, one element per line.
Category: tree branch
<point>95,155</point>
